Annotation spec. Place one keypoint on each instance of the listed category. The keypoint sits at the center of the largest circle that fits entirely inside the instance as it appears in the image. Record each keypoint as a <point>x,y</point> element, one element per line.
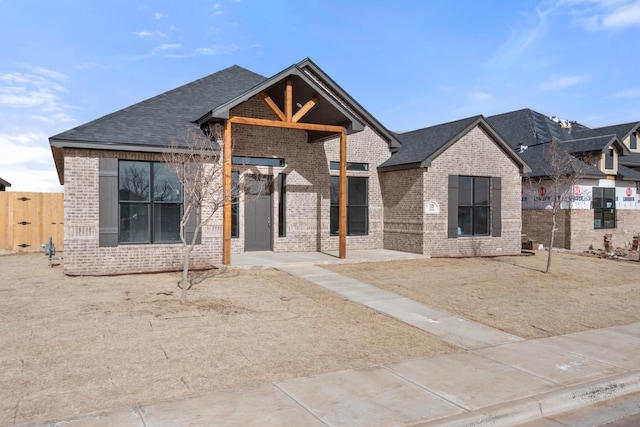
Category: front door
<point>257,213</point>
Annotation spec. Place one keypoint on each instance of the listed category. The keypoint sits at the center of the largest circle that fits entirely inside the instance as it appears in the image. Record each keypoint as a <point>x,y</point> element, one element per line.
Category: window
<point>282,205</point>
<point>608,159</point>
<point>257,161</point>
<point>357,206</point>
<point>604,207</point>
<point>633,142</point>
<point>151,202</point>
<point>351,166</point>
<point>473,206</point>
<point>235,225</point>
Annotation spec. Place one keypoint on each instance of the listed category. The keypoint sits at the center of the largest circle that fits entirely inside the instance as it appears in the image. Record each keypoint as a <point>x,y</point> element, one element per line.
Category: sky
<point>410,63</point>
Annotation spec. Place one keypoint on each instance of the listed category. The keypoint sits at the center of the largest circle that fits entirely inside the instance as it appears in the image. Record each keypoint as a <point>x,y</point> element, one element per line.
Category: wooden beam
<point>305,108</point>
<point>286,125</point>
<point>272,105</point>
<point>226,212</point>
<point>342,207</point>
<point>288,99</point>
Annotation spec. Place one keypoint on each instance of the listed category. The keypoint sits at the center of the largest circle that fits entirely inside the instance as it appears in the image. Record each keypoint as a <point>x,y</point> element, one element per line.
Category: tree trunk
<point>185,274</point>
<point>553,234</point>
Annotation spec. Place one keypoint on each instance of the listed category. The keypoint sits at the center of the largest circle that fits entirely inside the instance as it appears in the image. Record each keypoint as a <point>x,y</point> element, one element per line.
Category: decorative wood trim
<point>342,207</point>
<point>305,109</point>
<point>286,125</point>
<point>226,213</point>
<point>272,105</point>
<point>288,99</point>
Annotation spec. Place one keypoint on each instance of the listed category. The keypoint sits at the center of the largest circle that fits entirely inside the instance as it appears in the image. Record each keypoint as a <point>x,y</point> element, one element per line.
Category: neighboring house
<point>453,190</point>
<point>4,184</point>
<point>309,137</point>
<point>604,200</point>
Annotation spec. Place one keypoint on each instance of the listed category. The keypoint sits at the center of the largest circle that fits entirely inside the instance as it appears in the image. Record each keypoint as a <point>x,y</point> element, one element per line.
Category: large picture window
<point>604,207</point>
<point>357,205</point>
<point>150,203</point>
<point>473,206</point>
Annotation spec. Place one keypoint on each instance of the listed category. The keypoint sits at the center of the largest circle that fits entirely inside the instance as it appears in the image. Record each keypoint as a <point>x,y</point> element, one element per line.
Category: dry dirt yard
<point>513,293</point>
<point>71,345</point>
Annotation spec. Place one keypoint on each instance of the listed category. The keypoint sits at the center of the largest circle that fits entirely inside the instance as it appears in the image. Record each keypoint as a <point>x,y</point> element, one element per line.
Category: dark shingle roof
<point>630,159</point>
<point>5,183</point>
<point>628,174</point>
<point>536,157</point>
<point>621,131</point>
<point>586,145</point>
<point>420,145</point>
<point>158,120</point>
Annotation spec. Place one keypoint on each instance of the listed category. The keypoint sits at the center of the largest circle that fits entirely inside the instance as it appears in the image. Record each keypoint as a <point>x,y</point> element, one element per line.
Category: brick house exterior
<point>606,161</point>
<point>390,204</point>
<point>421,203</point>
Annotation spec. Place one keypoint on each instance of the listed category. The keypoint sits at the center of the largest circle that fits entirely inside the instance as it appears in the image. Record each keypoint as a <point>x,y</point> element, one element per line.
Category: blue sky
<point>411,64</point>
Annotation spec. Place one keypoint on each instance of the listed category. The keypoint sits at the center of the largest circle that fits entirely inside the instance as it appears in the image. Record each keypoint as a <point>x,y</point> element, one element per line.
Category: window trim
<point>599,209</point>
<point>475,206</point>
<point>351,166</point>
<point>333,206</point>
<point>282,205</point>
<point>150,203</point>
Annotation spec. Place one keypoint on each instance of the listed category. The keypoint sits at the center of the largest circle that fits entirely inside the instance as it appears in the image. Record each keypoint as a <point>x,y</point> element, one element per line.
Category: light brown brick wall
<point>83,256</point>
<point>475,154</point>
<point>403,210</point>
<point>307,206</point>
<point>584,236</point>
<point>536,225</point>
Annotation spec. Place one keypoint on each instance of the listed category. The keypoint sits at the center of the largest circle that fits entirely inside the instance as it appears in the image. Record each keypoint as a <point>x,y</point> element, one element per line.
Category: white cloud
<point>158,16</point>
<point>142,33</point>
<point>523,35</point>
<point>629,93</point>
<point>206,51</point>
<point>561,82</point>
<point>169,46</point>
<point>595,15</point>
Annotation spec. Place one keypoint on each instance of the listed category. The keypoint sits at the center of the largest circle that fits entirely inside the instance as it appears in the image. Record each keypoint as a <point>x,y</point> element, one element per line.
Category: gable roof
<point>420,147</point>
<point>4,183</point>
<point>627,174</point>
<point>152,123</point>
<point>536,157</point>
<point>155,124</point>
<point>531,129</point>
<point>593,144</point>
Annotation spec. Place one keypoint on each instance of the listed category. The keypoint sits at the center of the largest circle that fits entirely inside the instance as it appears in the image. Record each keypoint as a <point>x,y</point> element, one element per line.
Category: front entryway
<point>257,213</point>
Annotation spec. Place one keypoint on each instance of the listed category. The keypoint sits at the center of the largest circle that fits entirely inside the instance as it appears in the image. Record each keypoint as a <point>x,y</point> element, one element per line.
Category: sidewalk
<point>499,380</point>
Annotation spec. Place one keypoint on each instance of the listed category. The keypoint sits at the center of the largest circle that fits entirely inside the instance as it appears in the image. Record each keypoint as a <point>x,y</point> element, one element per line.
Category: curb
<point>543,405</point>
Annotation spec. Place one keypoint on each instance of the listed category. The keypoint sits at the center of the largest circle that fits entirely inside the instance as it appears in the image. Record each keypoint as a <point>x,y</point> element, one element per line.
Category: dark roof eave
<point>399,167</point>
<point>59,143</point>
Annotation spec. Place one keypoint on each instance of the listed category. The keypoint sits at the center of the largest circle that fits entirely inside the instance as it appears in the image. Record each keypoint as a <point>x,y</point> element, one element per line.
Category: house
<point>4,184</point>
<point>604,198</point>
<point>299,138</point>
<point>453,190</point>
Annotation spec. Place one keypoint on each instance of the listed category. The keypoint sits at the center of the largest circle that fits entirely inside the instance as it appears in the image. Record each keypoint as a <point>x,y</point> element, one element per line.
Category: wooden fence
<point>27,220</point>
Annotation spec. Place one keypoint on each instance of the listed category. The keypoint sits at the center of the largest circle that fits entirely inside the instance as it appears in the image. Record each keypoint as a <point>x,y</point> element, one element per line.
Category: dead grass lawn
<point>513,294</point>
<point>71,345</point>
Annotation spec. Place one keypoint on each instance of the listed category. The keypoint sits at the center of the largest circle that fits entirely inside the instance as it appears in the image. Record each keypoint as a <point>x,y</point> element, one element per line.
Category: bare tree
<point>195,161</point>
<point>560,173</point>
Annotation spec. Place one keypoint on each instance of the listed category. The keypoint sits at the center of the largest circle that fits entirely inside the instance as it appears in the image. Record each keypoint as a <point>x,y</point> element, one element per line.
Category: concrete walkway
<point>455,330</point>
<point>500,380</point>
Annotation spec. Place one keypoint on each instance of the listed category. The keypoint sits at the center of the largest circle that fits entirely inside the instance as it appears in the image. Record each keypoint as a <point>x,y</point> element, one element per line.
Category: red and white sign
<point>542,191</point>
<point>629,192</point>
<point>576,190</point>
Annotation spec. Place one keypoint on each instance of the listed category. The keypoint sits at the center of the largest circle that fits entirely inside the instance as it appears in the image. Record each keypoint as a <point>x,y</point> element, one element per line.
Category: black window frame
<point>608,159</point>
<point>351,166</point>
<point>354,206</point>
<point>152,202</point>
<point>282,205</point>
<point>604,208</point>
<point>475,208</point>
<point>235,205</point>
<point>633,141</point>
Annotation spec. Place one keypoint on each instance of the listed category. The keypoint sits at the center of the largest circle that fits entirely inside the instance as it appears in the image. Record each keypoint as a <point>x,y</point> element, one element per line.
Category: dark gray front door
<point>257,213</point>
